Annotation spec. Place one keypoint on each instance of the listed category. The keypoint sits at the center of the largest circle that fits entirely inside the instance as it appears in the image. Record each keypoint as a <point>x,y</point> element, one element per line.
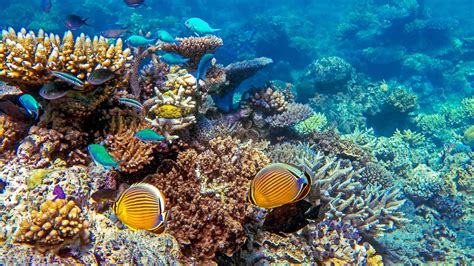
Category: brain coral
<point>207,193</point>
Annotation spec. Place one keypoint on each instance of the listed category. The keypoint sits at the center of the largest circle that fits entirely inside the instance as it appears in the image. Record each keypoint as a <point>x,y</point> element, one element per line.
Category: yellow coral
<point>26,58</point>
<point>57,224</point>
<point>169,111</point>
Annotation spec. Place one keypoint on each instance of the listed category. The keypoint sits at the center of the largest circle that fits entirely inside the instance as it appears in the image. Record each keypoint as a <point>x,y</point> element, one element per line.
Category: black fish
<point>104,195</point>
<point>114,32</point>
<point>74,22</point>
<point>46,5</point>
<point>100,76</point>
<point>134,3</point>
<point>290,218</point>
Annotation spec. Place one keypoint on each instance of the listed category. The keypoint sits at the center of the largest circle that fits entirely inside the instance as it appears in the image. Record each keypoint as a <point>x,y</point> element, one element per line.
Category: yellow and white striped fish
<point>142,206</point>
<point>278,184</point>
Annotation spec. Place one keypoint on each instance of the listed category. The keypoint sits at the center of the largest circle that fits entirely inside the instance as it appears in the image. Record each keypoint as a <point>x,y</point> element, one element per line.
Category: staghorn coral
<point>294,114</point>
<point>56,225</point>
<point>373,212</point>
<point>207,195</point>
<point>193,47</point>
<point>312,124</point>
<point>123,146</point>
<point>410,137</point>
<point>27,58</point>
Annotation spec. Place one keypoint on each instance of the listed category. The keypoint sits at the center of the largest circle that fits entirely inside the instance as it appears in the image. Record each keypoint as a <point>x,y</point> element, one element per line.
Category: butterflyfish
<point>278,184</point>
<point>142,207</point>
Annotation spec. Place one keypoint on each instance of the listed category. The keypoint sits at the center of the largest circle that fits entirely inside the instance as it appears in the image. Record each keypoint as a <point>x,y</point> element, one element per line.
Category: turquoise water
<point>367,108</point>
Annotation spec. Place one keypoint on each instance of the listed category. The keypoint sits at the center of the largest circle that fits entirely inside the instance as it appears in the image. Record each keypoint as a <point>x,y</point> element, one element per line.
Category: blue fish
<point>46,5</point>
<point>131,102</point>
<point>199,26</point>
<point>164,36</point>
<point>138,41</point>
<point>147,135</point>
<point>58,193</point>
<point>101,156</point>
<point>74,22</point>
<point>203,66</point>
<point>68,78</point>
<point>173,59</point>
<point>30,104</point>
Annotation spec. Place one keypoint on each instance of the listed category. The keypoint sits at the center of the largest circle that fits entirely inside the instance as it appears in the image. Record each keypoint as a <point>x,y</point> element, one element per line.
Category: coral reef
<point>56,225</point>
<point>193,47</point>
<point>295,113</point>
<point>27,58</point>
<point>312,124</point>
<point>207,194</point>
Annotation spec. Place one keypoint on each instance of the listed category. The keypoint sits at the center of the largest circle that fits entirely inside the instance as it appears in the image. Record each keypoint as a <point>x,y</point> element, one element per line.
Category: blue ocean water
<point>367,106</point>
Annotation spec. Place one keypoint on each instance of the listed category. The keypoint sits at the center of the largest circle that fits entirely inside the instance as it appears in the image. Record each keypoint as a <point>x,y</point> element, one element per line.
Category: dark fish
<point>287,218</point>
<point>58,193</point>
<point>114,32</point>
<point>3,185</point>
<point>74,22</point>
<point>100,76</point>
<point>54,90</point>
<point>9,108</point>
<point>68,78</point>
<point>104,195</point>
<point>134,3</point>
<point>46,5</point>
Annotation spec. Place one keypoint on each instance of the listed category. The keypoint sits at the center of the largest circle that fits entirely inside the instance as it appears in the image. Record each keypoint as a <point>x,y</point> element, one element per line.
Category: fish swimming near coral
<point>173,59</point>
<point>101,156</point>
<point>279,184</point>
<point>58,193</point>
<point>75,22</point>
<point>69,78</point>
<point>164,36</point>
<point>134,3</point>
<point>104,195</point>
<point>149,136</point>
<point>14,111</point>
<point>100,76</point>
<point>199,26</point>
<point>142,207</point>
<point>204,64</point>
<point>114,31</point>
<point>30,104</point>
<point>46,5</point>
<point>138,41</point>
<point>131,102</point>
<point>54,90</point>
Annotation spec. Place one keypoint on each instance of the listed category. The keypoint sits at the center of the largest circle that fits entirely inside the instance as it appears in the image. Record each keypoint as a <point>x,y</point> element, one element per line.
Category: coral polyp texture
<point>193,47</point>
<point>56,225</point>
<point>27,58</point>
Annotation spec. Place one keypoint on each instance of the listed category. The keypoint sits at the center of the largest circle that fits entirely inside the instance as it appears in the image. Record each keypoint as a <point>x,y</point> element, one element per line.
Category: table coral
<point>193,47</point>
<point>27,58</point>
<point>207,194</point>
<point>56,225</point>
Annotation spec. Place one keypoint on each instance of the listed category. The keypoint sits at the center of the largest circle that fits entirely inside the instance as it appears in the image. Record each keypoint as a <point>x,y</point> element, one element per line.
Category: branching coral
<point>294,114</point>
<point>269,99</point>
<point>56,225</point>
<point>27,58</point>
<point>193,47</point>
<point>410,137</point>
<point>207,195</point>
<point>125,147</point>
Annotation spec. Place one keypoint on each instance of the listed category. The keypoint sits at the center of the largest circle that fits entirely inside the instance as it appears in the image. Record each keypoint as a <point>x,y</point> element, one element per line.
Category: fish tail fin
<point>160,228</point>
<point>85,22</point>
<point>214,30</point>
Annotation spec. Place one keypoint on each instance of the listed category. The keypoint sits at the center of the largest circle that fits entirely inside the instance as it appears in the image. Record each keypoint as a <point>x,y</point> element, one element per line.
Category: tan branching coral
<point>133,153</point>
<point>56,225</point>
<point>27,58</point>
<point>193,47</point>
<point>207,194</point>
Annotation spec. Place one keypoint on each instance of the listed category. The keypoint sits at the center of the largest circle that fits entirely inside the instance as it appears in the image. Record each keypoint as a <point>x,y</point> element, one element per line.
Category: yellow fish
<point>142,207</point>
<point>278,184</point>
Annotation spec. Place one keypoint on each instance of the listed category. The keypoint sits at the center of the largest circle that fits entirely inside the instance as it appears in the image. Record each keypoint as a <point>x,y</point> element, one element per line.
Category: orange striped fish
<point>278,184</point>
<point>142,206</point>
